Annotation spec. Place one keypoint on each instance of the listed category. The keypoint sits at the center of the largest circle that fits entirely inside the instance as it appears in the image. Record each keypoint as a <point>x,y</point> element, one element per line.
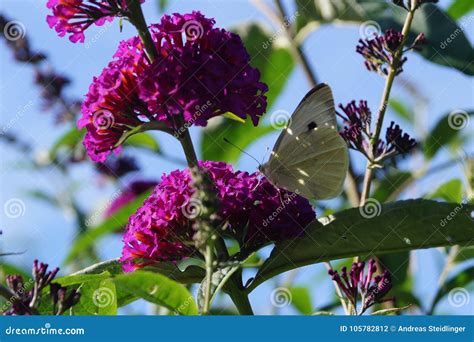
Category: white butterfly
<point>310,157</point>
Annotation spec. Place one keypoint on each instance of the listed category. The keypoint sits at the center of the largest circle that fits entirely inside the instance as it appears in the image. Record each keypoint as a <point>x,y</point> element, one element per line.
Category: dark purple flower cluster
<point>398,141</point>
<point>357,133</point>
<point>379,51</point>
<point>26,297</point>
<point>117,167</point>
<point>357,284</point>
<point>73,17</point>
<point>199,72</point>
<point>255,212</point>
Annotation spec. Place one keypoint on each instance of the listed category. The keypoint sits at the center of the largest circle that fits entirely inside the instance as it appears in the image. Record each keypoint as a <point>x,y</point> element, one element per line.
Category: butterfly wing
<point>316,109</point>
<point>310,157</point>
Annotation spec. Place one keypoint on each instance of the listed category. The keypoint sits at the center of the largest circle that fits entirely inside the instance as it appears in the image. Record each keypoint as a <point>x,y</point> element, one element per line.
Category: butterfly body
<point>310,158</point>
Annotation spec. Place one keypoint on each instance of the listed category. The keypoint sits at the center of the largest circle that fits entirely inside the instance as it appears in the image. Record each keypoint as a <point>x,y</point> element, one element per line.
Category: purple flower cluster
<point>379,51</point>
<point>256,213</point>
<point>73,17</point>
<point>27,296</point>
<point>356,283</point>
<point>357,133</point>
<point>205,74</point>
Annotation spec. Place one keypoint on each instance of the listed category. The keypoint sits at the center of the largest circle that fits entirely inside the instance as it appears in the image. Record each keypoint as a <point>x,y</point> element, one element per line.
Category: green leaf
<point>395,227</point>
<point>143,140</point>
<point>429,19</point>
<point>157,289</point>
<point>450,191</point>
<point>460,8</point>
<point>82,278</point>
<point>191,274</point>
<point>391,311</point>
<point>98,297</point>
<point>301,300</point>
<point>457,285</point>
<point>68,140</point>
<point>275,64</point>
<point>112,224</point>
<point>445,131</point>
<point>391,185</point>
<point>401,109</point>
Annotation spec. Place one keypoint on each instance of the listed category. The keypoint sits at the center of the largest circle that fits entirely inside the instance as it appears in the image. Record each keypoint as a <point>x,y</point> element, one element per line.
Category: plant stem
<point>209,257</point>
<point>234,285</point>
<point>137,18</point>
<point>369,172</point>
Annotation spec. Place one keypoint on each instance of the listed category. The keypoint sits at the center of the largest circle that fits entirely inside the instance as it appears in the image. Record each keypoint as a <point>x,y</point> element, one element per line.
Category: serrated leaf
<point>157,289</point>
<point>400,226</point>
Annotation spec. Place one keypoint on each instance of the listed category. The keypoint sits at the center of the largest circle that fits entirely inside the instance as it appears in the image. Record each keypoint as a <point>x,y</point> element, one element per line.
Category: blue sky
<point>46,234</point>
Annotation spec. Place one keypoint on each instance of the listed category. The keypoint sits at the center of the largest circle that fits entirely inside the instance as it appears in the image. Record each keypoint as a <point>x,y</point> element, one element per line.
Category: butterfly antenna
<point>241,150</point>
